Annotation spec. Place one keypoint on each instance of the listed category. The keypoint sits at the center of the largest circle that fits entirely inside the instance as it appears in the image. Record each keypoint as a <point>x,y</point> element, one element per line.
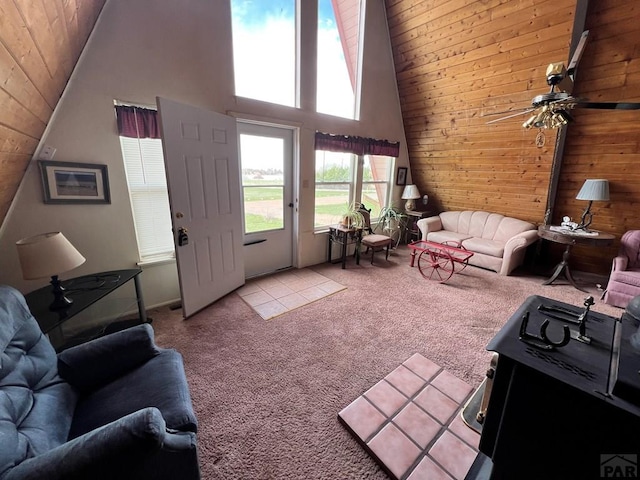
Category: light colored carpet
<point>267,393</point>
<point>283,292</point>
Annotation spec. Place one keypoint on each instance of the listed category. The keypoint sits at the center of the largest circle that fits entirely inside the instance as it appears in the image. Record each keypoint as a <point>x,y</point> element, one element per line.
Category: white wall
<point>179,49</point>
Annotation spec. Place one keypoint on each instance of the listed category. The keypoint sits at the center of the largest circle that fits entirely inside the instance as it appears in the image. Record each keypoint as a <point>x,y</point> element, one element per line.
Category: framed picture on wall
<point>67,182</point>
<point>401,177</point>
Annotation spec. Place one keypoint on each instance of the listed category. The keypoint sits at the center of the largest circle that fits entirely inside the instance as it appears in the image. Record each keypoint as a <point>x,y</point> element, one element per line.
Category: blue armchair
<point>115,407</point>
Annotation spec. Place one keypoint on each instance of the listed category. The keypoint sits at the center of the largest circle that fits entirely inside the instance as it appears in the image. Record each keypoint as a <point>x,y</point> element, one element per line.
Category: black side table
<point>344,236</point>
<point>412,232</point>
<point>84,291</point>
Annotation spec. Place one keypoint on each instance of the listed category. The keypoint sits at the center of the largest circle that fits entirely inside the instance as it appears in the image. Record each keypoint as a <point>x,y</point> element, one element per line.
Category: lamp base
<point>586,219</point>
<point>410,205</point>
<point>60,301</point>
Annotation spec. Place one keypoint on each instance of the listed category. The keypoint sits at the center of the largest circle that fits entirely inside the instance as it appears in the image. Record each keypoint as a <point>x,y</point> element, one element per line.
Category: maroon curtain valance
<point>137,122</point>
<point>356,145</point>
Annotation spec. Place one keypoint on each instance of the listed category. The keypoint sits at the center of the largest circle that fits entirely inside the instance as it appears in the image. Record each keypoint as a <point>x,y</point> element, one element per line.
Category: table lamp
<point>410,194</point>
<point>49,254</point>
<point>592,190</point>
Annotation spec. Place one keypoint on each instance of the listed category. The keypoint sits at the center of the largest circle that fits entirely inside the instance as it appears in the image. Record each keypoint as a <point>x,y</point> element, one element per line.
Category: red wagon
<point>437,261</point>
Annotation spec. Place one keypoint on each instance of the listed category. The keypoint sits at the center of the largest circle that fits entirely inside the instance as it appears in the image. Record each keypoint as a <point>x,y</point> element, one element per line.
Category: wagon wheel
<point>462,263</point>
<point>436,264</point>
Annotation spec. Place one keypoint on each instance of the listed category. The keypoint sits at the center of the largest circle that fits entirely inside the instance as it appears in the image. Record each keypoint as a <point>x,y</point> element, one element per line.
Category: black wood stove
<point>565,396</point>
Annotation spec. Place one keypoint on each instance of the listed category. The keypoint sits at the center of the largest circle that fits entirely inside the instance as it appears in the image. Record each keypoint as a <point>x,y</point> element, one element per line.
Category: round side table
<point>569,239</point>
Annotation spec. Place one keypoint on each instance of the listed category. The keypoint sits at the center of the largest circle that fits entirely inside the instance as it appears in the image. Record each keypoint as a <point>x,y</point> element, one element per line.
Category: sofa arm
<point>620,263</point>
<point>514,250</point>
<point>101,360</point>
<point>429,224</point>
<point>121,449</point>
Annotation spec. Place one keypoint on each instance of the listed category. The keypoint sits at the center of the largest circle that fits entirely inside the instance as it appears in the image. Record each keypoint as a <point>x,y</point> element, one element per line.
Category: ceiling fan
<point>551,110</point>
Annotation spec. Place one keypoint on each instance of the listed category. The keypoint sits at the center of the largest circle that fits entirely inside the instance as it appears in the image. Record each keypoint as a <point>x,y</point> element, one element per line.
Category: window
<point>334,186</point>
<point>147,182</point>
<point>262,160</point>
<point>264,49</point>
<point>345,178</point>
<point>338,57</point>
<point>376,175</point>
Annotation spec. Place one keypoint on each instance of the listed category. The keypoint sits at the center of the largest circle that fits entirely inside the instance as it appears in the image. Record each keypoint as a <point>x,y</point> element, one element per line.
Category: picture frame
<point>401,177</point>
<point>70,182</point>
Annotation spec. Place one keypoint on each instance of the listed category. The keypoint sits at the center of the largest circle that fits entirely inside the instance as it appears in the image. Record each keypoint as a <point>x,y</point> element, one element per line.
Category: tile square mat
<point>410,422</point>
<point>282,292</point>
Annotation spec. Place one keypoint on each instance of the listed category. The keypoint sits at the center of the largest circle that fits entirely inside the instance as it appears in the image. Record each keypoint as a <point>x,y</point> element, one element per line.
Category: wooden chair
<point>372,240</point>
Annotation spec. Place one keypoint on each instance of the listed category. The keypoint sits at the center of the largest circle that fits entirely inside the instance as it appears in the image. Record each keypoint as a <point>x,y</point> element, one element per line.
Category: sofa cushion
<point>36,405</point>
<point>492,248</point>
<point>160,383</point>
<point>510,227</point>
<point>442,236</point>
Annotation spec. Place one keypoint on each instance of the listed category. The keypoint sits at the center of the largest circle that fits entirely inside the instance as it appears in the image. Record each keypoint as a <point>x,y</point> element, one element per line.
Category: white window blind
<point>144,164</point>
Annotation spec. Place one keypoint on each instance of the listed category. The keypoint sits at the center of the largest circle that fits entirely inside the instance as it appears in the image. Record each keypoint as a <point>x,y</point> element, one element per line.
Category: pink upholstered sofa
<point>499,243</point>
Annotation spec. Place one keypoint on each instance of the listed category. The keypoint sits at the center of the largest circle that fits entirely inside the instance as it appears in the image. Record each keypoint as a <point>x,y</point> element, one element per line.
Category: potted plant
<point>392,222</point>
<point>351,216</point>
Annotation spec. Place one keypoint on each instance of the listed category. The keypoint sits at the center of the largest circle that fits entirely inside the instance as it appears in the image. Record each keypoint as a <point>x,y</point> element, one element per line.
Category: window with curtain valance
<point>356,145</point>
<point>351,169</point>
<point>141,144</point>
<point>137,122</point>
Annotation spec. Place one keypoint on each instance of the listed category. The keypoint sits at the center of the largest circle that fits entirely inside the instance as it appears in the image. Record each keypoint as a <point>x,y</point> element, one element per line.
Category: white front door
<point>266,159</point>
<point>203,176</point>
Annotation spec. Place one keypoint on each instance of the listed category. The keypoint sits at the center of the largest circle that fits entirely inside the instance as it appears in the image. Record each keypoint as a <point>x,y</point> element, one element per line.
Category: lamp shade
<point>594,189</point>
<point>410,193</point>
<point>46,255</point>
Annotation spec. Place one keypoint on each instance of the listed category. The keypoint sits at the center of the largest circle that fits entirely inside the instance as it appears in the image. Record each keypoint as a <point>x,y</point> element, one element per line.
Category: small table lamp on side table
<point>410,194</point>
<point>49,254</point>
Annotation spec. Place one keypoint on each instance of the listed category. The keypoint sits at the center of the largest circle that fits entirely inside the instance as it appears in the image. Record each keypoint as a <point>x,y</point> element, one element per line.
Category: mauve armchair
<point>115,407</point>
<point>624,281</point>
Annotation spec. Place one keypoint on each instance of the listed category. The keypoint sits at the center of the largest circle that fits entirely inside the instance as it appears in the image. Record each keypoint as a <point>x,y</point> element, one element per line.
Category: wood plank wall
<point>459,62</point>
<point>605,143</point>
<point>40,42</point>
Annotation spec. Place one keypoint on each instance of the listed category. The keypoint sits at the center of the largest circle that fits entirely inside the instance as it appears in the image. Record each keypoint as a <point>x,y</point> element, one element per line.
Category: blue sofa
<point>115,407</point>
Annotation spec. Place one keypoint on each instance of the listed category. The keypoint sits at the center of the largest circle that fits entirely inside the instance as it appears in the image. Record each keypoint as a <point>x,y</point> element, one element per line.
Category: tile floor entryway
<point>282,292</point>
<point>410,422</point>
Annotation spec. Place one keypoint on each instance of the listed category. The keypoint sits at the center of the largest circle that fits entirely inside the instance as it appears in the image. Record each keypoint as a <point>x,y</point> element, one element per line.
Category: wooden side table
<point>569,239</point>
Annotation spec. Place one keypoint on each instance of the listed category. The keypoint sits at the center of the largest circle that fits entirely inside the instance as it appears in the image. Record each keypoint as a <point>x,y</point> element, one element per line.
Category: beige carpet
<point>285,291</point>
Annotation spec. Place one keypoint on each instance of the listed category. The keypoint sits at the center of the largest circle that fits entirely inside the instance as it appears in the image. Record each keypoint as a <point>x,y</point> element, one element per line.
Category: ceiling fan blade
<point>528,110</point>
<point>577,55</point>
<point>609,105</point>
<point>513,110</point>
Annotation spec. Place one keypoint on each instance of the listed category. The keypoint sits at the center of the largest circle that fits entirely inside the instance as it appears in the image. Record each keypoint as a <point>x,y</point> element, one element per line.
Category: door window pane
<point>264,49</point>
<point>262,164</point>
<point>338,57</point>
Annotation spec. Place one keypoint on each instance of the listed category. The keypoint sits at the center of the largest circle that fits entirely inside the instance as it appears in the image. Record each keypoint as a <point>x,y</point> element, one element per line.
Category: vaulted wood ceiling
<point>40,42</point>
<point>456,62</point>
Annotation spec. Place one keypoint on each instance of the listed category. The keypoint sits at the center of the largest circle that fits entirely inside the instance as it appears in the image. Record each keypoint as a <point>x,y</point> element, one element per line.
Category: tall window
<point>376,182</point>
<point>351,170</point>
<point>335,187</point>
<point>343,179</point>
<point>264,49</point>
<point>338,57</point>
<point>147,182</point>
